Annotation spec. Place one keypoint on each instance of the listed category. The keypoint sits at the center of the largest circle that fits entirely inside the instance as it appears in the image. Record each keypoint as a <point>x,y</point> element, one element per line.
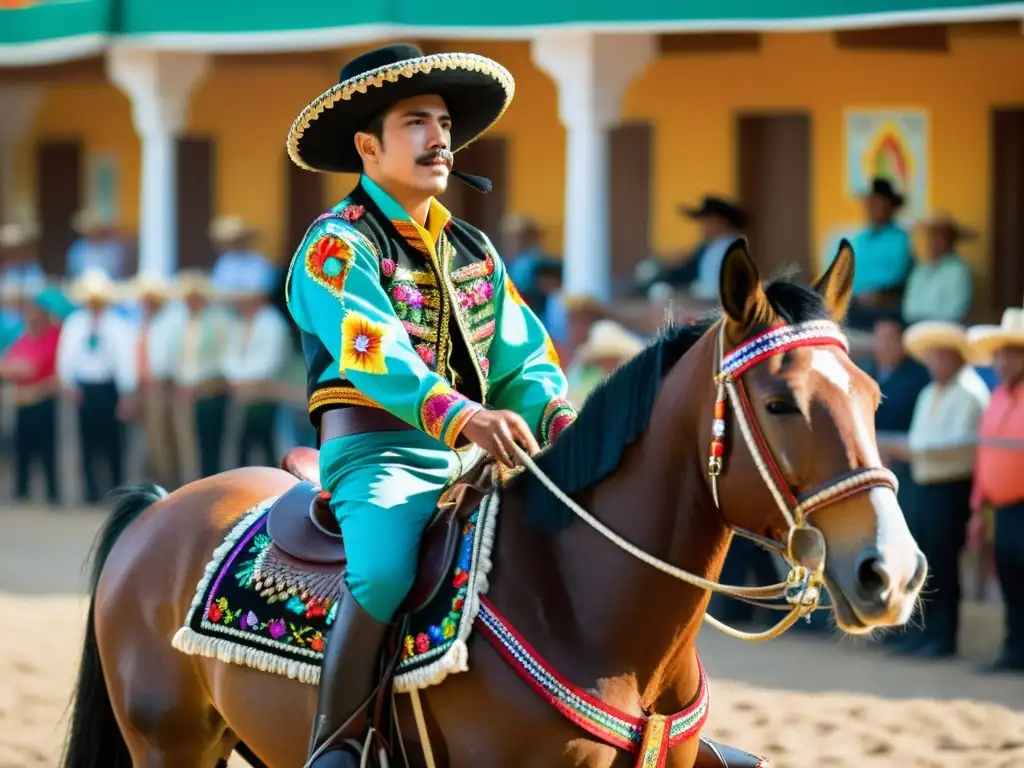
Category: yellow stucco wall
<point>692,101</point>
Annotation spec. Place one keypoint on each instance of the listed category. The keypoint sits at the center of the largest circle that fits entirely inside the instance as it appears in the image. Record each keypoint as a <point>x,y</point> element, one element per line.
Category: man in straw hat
<point>156,403</point>
<point>190,353</point>
<point>940,286</point>
<point>999,473</point>
<point>96,368</point>
<point>940,448</point>
<point>410,326</point>
<point>257,352</point>
<point>608,346</point>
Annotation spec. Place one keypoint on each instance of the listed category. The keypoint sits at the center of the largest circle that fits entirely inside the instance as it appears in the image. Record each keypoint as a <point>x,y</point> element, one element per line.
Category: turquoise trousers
<point>384,490</point>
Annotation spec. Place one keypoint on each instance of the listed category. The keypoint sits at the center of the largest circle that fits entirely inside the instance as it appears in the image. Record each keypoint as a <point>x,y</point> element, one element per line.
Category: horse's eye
<point>781,407</point>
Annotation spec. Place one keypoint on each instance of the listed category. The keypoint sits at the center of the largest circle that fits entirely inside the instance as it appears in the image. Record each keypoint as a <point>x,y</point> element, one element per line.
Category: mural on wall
<point>102,185</point>
<point>893,145</point>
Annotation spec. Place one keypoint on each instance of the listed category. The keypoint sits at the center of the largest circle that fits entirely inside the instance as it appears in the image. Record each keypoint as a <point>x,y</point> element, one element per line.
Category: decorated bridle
<point>804,547</point>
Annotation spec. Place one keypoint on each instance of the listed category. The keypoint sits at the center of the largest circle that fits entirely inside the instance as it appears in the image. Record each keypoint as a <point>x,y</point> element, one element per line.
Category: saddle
<point>304,529</point>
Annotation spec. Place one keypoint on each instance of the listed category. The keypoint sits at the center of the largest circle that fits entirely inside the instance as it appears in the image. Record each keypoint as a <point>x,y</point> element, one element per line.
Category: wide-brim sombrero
<point>476,90</point>
<point>921,338</point>
<point>986,340</point>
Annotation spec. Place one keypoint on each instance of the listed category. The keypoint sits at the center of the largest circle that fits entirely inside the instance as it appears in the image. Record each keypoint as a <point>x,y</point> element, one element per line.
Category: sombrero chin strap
<point>479,183</point>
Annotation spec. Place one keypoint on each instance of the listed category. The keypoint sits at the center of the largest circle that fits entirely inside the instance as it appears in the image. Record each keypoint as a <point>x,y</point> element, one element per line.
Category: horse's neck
<point>593,610</point>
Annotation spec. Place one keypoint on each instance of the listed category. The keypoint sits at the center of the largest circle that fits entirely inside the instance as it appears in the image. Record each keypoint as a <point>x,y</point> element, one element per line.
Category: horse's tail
<point>95,738</point>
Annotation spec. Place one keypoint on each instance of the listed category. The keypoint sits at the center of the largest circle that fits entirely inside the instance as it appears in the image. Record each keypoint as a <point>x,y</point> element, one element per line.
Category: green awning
<point>38,31</point>
<point>43,31</point>
<point>195,21</point>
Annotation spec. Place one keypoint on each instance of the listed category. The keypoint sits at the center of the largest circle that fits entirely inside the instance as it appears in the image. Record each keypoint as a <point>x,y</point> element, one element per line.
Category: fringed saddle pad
<point>253,608</point>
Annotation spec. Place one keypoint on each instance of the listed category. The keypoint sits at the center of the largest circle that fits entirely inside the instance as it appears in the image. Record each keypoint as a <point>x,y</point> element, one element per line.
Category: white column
<point>592,72</point>
<point>18,106</point>
<point>159,84</point>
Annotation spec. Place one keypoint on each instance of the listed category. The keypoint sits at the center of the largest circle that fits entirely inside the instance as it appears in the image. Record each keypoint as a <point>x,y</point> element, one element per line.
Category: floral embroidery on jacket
<point>328,259</point>
<point>352,212</point>
<point>362,344</point>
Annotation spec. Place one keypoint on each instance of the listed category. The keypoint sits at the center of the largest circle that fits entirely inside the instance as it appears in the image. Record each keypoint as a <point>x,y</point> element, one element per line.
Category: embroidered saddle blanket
<point>257,607</point>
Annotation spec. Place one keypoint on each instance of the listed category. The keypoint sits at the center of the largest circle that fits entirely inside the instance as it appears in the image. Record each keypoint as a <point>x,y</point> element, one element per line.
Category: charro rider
<point>418,346</point>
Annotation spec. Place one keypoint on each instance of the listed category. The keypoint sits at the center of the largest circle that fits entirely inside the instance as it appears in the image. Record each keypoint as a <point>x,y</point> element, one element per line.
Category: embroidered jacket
<point>422,322</point>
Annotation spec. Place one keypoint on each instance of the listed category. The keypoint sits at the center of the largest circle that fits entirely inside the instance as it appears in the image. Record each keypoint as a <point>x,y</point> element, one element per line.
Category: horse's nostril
<point>872,577</point>
<point>920,572</point>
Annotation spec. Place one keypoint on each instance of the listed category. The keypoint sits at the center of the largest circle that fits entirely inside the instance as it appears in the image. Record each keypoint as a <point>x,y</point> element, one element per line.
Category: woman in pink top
<point>30,363</point>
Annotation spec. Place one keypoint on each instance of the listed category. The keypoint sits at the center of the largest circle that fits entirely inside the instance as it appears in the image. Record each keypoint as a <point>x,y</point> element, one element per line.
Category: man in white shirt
<point>156,401</point>
<point>940,448</point>
<point>193,340</point>
<point>96,369</point>
<point>254,360</point>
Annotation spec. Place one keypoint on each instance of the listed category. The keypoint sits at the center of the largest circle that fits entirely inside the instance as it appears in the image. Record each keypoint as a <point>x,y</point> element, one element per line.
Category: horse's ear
<point>836,285</point>
<point>739,285</point>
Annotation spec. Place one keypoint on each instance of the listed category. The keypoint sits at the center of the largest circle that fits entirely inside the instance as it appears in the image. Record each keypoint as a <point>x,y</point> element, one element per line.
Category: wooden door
<point>774,187</point>
<point>629,214</point>
<point>1007,258</point>
<point>58,196</point>
<point>486,157</point>
<point>196,179</point>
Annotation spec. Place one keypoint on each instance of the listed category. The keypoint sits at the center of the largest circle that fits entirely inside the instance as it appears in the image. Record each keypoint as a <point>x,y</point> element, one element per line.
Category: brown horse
<point>637,458</point>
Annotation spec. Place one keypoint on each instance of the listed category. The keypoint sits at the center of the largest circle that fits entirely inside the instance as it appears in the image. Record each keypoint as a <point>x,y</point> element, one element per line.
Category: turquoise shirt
<point>884,258</point>
<point>336,292</point>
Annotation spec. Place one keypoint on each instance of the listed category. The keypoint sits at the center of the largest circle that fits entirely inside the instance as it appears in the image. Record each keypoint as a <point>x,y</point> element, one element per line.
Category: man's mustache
<point>437,154</point>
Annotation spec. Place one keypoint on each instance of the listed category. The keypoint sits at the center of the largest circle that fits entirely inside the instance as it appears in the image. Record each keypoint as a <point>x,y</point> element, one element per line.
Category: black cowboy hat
<point>717,206</point>
<point>884,188</point>
<point>476,90</point>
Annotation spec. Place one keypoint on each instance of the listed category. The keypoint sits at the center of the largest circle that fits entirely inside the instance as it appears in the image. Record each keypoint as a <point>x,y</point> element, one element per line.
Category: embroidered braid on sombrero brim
<point>391,73</point>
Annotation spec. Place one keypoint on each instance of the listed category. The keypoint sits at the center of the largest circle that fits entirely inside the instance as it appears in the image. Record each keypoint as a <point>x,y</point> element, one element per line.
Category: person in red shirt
<point>998,475</point>
<point>31,364</point>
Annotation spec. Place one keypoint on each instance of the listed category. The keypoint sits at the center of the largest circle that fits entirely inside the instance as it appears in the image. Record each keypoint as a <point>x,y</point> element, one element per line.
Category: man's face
<point>414,151</point>
<point>196,302</point>
<point>712,226</point>
<point>879,210</point>
<point>1008,363</point>
<point>940,241</point>
<point>943,363</point>
<point>888,345</point>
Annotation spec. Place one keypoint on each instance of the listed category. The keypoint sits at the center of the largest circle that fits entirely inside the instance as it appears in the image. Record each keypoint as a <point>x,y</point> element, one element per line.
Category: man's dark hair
<point>375,126</point>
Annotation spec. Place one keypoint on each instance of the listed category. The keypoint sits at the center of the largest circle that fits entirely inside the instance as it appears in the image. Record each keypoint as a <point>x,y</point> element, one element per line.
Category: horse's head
<point>800,444</point>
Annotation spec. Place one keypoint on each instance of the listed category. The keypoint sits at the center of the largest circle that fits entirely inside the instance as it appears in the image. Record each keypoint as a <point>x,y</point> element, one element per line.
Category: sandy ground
<point>803,701</point>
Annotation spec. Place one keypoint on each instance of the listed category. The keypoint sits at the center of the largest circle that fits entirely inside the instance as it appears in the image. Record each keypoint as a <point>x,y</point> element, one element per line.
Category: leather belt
<point>357,420</point>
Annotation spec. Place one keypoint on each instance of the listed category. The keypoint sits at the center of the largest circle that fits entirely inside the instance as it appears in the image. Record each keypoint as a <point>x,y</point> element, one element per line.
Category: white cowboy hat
<point>88,220</point>
<point>986,340</point>
<point>147,285</point>
<point>226,228</point>
<point>921,338</point>
<point>608,340</point>
<point>18,234</point>
<point>94,285</point>
<point>193,282</point>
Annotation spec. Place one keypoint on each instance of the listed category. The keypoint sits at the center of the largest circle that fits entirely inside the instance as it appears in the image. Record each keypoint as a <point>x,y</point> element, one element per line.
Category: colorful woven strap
<point>650,736</point>
<point>781,338</point>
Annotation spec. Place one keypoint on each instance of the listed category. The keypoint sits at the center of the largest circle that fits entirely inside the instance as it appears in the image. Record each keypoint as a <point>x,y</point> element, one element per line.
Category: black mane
<point>618,410</point>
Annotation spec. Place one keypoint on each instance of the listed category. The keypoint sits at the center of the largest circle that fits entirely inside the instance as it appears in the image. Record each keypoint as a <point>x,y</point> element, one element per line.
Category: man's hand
<point>127,407</point>
<point>976,529</point>
<point>498,432</point>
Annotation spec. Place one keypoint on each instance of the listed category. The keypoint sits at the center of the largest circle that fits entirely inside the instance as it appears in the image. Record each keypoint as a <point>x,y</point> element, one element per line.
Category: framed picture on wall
<point>892,144</point>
